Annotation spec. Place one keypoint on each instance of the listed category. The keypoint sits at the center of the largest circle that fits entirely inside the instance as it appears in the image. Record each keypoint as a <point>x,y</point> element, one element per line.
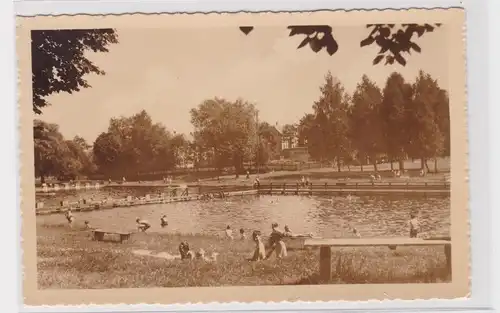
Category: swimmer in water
<point>229,232</point>
<point>87,225</point>
<point>163,221</point>
<point>414,225</point>
<point>142,225</point>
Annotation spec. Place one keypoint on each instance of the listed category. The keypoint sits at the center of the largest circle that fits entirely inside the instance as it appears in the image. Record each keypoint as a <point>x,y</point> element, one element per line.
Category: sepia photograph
<point>245,152</point>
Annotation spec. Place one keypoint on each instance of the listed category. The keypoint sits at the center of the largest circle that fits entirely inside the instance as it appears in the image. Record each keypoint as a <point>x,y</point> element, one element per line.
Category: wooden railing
<point>290,187</point>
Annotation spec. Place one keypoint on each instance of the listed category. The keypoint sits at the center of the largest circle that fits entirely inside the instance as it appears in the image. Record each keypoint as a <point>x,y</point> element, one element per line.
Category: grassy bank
<point>68,258</point>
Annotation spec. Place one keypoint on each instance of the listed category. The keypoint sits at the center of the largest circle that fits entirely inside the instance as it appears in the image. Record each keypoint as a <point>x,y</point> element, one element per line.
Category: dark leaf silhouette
<point>377,59</point>
<point>58,60</point>
<point>304,42</point>
<point>367,41</point>
<point>246,29</point>
<point>391,39</point>
<point>318,37</point>
<point>415,47</point>
<point>400,59</point>
<point>394,41</point>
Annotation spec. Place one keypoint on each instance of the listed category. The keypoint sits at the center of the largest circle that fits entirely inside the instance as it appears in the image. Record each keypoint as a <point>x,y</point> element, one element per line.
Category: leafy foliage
<point>366,129</point>
<point>55,156</point>
<point>397,96</point>
<point>227,130</point>
<point>393,40</point>
<point>317,36</point>
<point>329,137</point>
<point>136,144</point>
<point>59,63</point>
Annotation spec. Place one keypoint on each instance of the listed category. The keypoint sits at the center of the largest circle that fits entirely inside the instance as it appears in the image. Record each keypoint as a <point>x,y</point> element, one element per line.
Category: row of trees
<point>399,121</point>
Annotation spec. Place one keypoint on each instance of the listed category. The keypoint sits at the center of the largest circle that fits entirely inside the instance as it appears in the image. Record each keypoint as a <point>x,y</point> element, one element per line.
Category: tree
<point>305,127</point>
<point>427,138</point>
<point>228,129</point>
<point>59,63</point>
<point>366,125</point>
<point>394,110</point>
<point>55,156</point>
<point>134,145</point>
<point>331,141</point>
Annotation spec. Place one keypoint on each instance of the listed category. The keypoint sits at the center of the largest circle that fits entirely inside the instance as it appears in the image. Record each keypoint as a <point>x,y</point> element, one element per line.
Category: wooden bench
<point>98,234</point>
<point>325,252</point>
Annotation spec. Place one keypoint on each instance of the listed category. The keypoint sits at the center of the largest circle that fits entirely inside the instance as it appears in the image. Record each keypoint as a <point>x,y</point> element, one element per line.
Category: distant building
<point>290,148</point>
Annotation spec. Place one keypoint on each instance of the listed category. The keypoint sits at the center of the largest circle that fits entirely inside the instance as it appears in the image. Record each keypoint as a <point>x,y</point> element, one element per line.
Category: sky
<point>168,71</point>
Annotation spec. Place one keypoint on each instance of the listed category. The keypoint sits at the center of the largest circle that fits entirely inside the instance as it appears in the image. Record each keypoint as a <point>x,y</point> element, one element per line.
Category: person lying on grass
<point>276,242</point>
<point>142,225</point>
<point>260,250</point>
<point>187,254</point>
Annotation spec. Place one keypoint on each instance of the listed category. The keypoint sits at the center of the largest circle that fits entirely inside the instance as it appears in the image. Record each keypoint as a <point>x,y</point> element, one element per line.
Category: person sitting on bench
<point>163,221</point>
<point>142,225</point>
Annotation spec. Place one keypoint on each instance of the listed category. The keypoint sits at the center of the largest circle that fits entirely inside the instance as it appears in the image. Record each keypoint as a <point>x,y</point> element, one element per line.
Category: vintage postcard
<point>187,158</point>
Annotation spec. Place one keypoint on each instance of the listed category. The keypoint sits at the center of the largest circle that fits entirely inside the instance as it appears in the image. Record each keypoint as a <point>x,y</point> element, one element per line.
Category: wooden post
<point>310,189</point>
<point>325,264</point>
<point>271,189</point>
<point>326,186</point>
<point>297,189</point>
<point>447,253</point>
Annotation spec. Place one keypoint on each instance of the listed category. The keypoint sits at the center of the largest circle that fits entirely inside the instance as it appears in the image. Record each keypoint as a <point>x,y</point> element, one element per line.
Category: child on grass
<point>260,250</point>
<point>243,236</point>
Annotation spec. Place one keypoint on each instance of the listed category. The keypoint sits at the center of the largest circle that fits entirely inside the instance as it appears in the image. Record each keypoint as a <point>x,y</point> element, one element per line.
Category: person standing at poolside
<point>69,217</point>
<point>414,225</point>
<point>142,225</point>
<point>276,242</point>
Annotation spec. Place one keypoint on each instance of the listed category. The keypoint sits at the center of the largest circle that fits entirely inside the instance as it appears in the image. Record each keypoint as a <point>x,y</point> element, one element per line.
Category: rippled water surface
<point>373,216</point>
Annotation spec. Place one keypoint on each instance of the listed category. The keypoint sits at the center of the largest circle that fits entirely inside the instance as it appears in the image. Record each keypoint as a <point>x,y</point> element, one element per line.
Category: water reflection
<point>323,216</point>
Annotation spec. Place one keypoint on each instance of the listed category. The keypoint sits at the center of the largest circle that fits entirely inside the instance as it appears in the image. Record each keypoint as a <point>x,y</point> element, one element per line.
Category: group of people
<point>276,241</point>
<point>143,225</point>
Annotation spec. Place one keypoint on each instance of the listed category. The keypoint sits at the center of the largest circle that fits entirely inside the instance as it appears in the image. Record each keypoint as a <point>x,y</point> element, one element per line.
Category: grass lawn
<point>69,259</point>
